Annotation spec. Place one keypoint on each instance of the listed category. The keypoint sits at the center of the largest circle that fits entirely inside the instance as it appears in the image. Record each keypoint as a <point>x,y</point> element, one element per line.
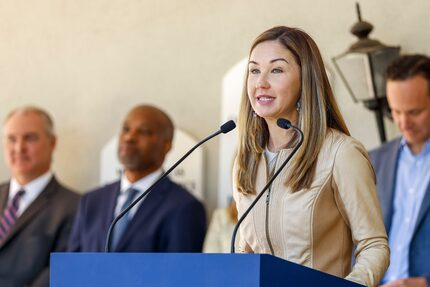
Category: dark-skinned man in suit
<point>169,219</point>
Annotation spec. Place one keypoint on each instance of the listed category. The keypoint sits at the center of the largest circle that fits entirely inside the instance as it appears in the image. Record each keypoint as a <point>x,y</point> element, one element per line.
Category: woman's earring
<point>298,106</point>
<point>254,114</point>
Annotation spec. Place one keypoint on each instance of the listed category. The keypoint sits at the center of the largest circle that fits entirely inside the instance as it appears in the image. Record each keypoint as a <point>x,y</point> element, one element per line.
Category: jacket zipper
<point>269,242</point>
<point>269,174</point>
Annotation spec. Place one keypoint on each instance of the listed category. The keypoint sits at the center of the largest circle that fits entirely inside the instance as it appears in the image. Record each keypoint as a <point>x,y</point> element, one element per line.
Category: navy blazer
<point>170,219</point>
<point>385,161</point>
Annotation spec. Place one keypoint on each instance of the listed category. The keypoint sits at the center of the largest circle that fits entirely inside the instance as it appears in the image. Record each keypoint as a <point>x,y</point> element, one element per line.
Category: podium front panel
<point>183,270</point>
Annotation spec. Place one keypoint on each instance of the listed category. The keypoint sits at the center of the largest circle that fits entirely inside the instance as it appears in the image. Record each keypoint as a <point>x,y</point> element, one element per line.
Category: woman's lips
<point>265,99</point>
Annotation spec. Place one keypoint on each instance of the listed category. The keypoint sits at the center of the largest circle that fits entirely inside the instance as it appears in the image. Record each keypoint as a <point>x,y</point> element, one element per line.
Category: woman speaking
<point>324,201</point>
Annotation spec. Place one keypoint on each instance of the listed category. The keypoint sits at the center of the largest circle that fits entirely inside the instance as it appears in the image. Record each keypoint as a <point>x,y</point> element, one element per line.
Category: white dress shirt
<point>141,185</point>
<point>32,190</point>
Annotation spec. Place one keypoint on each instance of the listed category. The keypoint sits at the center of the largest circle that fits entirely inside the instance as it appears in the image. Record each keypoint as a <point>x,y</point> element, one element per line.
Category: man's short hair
<point>49,123</point>
<point>409,66</point>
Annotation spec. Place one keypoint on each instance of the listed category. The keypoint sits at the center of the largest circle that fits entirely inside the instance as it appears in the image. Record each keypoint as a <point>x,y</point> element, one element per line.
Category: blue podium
<point>183,270</point>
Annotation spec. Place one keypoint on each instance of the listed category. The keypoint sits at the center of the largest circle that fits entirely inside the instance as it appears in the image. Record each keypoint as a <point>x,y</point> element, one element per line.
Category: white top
<point>141,185</point>
<point>32,190</point>
<point>271,158</point>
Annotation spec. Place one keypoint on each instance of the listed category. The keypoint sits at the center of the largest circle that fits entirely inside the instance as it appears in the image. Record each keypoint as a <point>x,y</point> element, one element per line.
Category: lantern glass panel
<point>355,69</point>
<point>380,60</point>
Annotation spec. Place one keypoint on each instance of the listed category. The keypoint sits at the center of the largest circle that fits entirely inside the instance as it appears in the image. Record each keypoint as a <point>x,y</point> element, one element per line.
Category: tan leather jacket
<point>317,227</point>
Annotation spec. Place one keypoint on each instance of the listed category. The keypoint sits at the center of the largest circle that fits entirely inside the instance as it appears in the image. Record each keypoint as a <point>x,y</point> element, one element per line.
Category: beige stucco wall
<point>89,61</point>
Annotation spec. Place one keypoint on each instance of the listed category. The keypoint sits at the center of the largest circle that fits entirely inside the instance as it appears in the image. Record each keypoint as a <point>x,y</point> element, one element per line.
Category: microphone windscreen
<point>228,126</point>
<point>283,123</point>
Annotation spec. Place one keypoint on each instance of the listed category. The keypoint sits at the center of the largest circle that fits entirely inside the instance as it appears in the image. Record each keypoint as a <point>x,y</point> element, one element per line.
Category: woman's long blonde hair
<point>318,111</point>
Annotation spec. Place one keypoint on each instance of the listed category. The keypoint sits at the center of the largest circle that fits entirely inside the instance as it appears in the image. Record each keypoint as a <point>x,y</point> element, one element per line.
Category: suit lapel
<point>424,209</point>
<point>388,183</point>
<point>143,214</point>
<point>35,207</point>
<point>4,195</point>
<point>111,196</point>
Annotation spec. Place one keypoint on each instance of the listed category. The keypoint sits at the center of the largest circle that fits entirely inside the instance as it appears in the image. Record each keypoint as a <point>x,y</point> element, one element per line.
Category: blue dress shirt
<point>412,179</point>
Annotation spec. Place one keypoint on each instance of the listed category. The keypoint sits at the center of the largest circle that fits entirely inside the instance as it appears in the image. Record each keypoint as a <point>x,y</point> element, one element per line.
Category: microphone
<point>225,128</point>
<point>284,124</point>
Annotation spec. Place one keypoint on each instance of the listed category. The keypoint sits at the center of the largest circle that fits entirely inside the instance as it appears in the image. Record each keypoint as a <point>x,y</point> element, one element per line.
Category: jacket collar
<point>31,212</point>
<point>387,194</point>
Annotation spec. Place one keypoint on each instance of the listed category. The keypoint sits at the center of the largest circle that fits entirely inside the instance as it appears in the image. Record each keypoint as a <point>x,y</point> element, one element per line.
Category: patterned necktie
<point>123,222</point>
<point>9,216</point>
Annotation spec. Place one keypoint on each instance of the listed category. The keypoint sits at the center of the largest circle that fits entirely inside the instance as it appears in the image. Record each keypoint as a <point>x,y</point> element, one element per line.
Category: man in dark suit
<point>169,219</point>
<point>403,173</point>
<point>36,211</point>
